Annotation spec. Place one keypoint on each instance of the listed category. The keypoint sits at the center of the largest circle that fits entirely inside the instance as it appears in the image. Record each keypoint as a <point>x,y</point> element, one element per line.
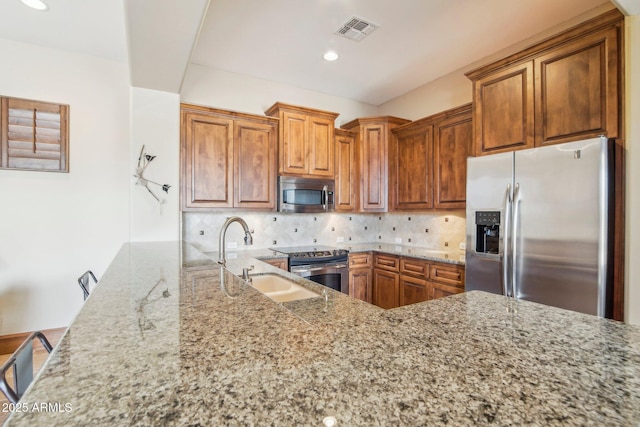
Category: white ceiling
<point>417,42</point>
<point>283,40</point>
<point>93,27</point>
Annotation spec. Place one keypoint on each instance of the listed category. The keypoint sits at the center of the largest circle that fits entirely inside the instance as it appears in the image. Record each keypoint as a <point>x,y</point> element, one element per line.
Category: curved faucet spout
<point>248,239</point>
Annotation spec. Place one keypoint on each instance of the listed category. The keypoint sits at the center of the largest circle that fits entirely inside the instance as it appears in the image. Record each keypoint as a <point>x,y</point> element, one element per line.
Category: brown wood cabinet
<point>445,279</point>
<point>565,88</point>
<point>413,280</point>
<point>391,281</point>
<point>281,263</point>
<point>386,281</point>
<point>386,289</point>
<point>578,89</point>
<point>452,144</point>
<point>306,140</point>
<point>228,159</point>
<point>429,161</point>
<point>346,194</point>
<point>411,158</point>
<point>373,136</point>
<point>413,290</point>
<point>503,110</point>
<point>360,276</point>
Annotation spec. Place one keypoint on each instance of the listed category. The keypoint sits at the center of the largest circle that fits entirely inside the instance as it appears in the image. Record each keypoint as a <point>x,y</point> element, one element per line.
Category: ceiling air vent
<point>356,29</point>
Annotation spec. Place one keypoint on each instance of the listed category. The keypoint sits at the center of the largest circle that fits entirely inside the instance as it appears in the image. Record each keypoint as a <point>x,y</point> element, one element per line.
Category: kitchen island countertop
<point>161,341</point>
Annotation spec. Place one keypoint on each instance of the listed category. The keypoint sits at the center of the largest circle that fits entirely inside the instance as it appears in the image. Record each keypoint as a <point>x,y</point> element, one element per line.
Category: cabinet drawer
<point>360,260</point>
<point>414,267</point>
<point>452,275</point>
<point>386,262</point>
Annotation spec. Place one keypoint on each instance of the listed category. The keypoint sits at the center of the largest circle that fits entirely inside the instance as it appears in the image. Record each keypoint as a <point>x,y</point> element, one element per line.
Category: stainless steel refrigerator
<point>538,222</point>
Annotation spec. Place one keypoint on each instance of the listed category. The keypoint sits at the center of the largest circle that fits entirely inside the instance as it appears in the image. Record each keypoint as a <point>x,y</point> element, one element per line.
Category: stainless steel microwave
<point>305,195</point>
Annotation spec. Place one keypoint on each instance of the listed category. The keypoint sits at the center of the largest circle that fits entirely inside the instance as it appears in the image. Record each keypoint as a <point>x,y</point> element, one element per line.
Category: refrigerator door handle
<point>514,238</point>
<point>508,201</point>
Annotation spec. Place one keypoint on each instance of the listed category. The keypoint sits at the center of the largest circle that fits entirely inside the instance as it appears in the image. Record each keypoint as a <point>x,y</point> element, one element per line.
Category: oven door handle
<point>324,267</point>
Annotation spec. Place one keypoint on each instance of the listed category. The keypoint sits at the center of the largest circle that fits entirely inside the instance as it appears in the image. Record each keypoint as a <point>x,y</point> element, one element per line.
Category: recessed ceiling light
<point>35,4</point>
<point>330,56</point>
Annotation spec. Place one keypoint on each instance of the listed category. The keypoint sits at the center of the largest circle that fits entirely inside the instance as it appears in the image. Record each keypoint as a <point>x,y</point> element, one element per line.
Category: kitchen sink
<point>280,289</point>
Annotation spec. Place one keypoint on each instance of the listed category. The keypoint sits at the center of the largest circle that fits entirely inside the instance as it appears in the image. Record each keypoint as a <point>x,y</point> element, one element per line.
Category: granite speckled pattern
<point>450,257</point>
<point>163,342</point>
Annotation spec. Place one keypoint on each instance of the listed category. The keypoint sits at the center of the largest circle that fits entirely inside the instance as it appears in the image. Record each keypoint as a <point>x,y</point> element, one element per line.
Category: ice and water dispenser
<point>488,232</point>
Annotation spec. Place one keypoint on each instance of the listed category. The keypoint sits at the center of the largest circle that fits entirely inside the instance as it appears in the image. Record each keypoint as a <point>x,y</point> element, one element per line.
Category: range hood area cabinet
<point>227,159</point>
<point>565,88</point>
<point>306,140</point>
<point>428,162</point>
<point>372,158</point>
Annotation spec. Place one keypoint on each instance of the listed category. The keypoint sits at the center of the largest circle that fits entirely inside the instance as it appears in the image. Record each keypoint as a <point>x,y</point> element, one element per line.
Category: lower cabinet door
<point>412,290</point>
<point>386,289</point>
<point>360,284</point>
<point>438,290</point>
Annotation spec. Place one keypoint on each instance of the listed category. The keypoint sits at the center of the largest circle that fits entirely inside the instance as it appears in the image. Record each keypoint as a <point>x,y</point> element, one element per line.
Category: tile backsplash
<point>441,231</point>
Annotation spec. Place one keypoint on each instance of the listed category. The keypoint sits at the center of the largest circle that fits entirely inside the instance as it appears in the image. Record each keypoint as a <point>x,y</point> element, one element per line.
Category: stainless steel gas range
<point>321,264</point>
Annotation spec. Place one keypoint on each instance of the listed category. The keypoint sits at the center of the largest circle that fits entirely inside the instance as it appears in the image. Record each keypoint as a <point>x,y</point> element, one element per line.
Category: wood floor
<point>39,357</point>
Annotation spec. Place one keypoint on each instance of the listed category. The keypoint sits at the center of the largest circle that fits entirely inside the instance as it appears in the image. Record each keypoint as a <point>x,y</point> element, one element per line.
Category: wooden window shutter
<point>34,135</point>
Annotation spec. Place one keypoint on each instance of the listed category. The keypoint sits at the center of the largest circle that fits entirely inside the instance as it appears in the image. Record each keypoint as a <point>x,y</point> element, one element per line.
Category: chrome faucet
<point>248,239</point>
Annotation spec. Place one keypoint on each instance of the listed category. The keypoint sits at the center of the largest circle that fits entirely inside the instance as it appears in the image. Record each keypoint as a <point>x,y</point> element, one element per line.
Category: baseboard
<point>10,343</point>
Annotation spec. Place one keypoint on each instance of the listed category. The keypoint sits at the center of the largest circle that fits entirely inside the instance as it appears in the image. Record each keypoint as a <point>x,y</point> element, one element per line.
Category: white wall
<point>54,226</point>
<point>452,90</point>
<point>221,89</point>
<point>632,95</point>
<point>155,123</point>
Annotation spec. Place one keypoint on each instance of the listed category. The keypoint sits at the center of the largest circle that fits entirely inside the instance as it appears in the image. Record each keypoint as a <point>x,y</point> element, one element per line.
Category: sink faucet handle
<point>245,273</point>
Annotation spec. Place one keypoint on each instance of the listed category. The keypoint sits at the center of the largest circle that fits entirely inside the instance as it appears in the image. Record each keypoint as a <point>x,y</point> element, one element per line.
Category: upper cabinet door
<point>565,88</point>
<point>207,161</point>
<point>452,144</point>
<point>227,158</point>
<point>504,110</point>
<point>374,167</point>
<point>346,171</point>
<point>321,143</point>
<point>255,165</point>
<point>411,186</point>
<point>577,89</point>
<point>295,134</point>
<point>306,140</point>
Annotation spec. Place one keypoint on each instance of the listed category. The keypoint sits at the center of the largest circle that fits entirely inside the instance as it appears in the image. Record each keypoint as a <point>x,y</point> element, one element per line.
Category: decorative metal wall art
<point>143,161</point>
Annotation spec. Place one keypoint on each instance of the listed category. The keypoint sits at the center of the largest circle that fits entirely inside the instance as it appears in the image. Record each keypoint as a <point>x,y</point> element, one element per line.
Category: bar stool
<point>83,281</point>
<point>22,363</point>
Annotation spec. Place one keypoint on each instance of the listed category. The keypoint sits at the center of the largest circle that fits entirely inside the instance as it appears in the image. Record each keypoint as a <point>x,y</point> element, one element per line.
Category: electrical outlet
<point>398,240</point>
<point>232,245</point>
<point>463,245</point>
<point>340,239</point>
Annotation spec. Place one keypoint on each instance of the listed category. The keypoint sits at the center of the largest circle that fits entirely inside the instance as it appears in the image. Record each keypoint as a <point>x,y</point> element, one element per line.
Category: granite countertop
<point>164,342</point>
<point>451,257</point>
